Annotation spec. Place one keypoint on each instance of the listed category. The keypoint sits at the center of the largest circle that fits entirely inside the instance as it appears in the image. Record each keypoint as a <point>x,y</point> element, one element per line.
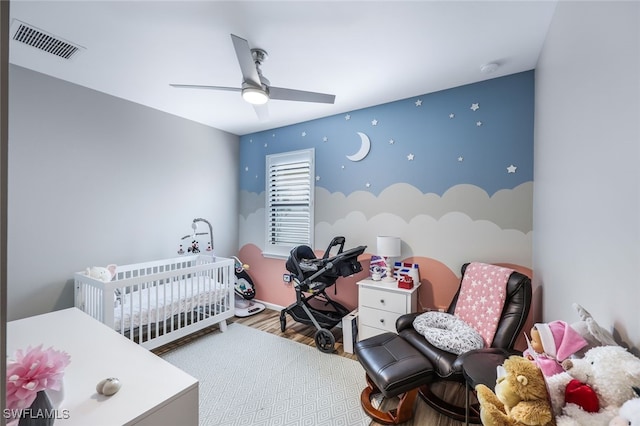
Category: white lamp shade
<point>388,246</point>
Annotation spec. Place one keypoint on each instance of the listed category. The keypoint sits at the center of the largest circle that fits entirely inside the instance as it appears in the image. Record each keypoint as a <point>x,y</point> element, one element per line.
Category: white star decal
<point>391,141</point>
<point>324,139</point>
<point>347,117</point>
<point>304,134</point>
<point>419,102</point>
<point>475,107</point>
<point>256,176</point>
<point>246,169</point>
<point>478,123</point>
<point>317,178</point>
<point>511,169</point>
<point>452,115</point>
<point>250,140</point>
<point>367,185</point>
<point>342,167</point>
<point>410,157</point>
<point>374,122</point>
<point>460,159</point>
<point>273,135</point>
<point>265,145</point>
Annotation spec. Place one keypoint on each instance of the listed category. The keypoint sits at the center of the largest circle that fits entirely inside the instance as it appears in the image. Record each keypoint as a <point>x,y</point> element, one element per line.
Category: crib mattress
<point>163,301</point>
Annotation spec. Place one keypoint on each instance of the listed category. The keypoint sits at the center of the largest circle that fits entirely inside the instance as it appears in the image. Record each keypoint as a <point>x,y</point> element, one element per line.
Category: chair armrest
<point>406,321</point>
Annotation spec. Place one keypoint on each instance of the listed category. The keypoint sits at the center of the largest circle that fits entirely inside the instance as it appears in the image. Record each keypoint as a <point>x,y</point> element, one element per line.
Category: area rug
<point>251,377</point>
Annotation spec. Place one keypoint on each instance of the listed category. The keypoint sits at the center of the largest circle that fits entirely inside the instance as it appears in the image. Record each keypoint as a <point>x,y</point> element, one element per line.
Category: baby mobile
<point>195,247</point>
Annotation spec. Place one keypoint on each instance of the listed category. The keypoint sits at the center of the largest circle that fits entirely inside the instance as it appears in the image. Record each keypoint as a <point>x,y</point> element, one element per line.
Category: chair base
<point>402,413</point>
<point>447,408</point>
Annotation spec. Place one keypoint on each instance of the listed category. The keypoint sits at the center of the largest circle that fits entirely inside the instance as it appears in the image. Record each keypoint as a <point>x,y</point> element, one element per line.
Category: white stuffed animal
<point>101,273</point>
<point>591,331</point>
<point>611,371</point>
<point>629,413</point>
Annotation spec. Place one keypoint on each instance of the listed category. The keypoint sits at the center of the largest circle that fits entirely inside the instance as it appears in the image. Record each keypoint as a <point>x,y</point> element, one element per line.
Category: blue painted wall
<point>449,172</point>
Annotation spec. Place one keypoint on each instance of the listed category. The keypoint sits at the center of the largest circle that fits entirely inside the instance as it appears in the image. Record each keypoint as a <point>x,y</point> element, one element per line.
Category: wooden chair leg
<point>402,413</point>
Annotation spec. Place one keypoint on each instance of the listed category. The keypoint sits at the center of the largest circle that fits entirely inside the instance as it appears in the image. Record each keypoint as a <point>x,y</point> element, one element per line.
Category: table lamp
<point>388,247</point>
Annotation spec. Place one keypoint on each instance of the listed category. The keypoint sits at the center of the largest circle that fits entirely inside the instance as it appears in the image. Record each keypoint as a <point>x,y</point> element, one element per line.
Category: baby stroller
<point>312,276</point>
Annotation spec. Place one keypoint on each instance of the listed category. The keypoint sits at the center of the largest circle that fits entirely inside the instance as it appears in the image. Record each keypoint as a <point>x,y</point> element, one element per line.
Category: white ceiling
<point>366,53</point>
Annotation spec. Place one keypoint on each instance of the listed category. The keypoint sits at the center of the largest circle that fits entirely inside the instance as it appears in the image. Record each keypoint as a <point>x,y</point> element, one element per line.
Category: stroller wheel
<point>325,340</point>
<point>283,322</point>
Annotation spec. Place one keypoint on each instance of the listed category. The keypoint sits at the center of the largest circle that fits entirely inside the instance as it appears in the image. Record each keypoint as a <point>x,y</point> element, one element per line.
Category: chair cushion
<point>448,332</point>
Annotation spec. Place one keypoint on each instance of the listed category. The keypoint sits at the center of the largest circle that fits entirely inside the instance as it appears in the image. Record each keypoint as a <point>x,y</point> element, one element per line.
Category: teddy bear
<point>520,396</point>
<point>106,274</point>
<point>101,273</point>
<point>610,371</point>
<point>551,343</point>
<point>629,413</point>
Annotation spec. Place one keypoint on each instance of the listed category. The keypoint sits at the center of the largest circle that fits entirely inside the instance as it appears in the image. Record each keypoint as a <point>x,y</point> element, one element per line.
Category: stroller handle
<point>335,242</point>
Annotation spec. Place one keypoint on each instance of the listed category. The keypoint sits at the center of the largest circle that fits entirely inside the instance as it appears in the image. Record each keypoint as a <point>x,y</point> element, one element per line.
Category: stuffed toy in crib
<point>101,273</point>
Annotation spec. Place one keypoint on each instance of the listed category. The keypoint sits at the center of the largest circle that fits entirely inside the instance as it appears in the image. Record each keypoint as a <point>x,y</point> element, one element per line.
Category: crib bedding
<point>163,301</point>
<point>154,303</point>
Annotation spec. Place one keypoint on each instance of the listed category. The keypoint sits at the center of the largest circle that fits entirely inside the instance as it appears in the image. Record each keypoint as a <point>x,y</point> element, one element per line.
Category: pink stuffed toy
<point>551,344</point>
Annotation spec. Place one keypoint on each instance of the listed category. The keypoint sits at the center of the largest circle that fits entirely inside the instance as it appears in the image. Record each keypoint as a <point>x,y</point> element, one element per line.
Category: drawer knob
<point>382,301</point>
<point>382,320</point>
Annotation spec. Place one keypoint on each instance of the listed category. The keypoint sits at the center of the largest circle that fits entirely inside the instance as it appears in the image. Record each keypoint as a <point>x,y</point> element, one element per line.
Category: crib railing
<point>154,303</point>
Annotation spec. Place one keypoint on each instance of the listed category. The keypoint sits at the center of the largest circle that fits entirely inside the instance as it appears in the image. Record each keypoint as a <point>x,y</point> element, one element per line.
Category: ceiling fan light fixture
<point>255,96</point>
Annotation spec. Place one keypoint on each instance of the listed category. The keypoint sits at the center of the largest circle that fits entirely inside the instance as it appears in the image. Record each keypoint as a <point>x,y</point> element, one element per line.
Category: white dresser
<point>153,391</point>
<point>380,304</point>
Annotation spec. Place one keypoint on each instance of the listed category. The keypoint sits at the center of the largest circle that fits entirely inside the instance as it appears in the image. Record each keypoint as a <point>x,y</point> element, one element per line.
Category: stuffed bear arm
<point>531,413</point>
<point>486,397</point>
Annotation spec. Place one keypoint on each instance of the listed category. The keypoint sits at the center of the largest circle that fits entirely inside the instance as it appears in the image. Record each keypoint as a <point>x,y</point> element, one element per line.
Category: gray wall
<point>587,175</point>
<point>94,180</point>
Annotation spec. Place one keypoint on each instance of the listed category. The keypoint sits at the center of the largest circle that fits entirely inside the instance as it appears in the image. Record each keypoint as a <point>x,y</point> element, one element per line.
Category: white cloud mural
<point>464,224</point>
<point>452,239</point>
<point>507,208</point>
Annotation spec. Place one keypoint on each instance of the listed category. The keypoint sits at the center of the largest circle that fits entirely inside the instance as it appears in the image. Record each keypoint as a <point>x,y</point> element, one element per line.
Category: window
<point>289,201</point>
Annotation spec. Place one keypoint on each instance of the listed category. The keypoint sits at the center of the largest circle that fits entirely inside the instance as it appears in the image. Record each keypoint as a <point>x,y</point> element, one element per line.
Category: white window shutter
<point>289,199</point>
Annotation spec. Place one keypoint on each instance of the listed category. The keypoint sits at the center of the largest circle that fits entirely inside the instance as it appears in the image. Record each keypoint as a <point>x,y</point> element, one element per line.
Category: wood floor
<point>269,321</point>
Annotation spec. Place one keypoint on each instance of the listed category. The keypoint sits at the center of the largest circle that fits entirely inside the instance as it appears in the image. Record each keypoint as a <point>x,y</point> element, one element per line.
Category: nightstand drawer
<point>381,299</point>
<point>377,318</point>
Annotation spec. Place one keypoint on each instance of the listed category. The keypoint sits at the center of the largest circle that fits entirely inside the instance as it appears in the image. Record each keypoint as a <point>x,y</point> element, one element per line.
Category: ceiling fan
<point>256,88</point>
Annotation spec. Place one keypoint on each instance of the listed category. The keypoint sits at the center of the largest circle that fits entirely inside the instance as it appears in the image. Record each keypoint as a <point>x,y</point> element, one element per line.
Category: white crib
<point>154,303</point>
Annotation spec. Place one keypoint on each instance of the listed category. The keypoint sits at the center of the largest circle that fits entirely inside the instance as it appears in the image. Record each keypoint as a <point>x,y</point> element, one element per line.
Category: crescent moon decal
<point>365,146</point>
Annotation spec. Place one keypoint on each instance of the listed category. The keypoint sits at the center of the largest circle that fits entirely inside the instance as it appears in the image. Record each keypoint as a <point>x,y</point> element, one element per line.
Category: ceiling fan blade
<point>199,86</point>
<point>245,59</point>
<point>300,95</point>
<point>262,111</point>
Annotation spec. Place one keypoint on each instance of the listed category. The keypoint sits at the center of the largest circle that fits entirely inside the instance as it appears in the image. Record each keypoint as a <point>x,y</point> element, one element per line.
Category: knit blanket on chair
<point>482,295</point>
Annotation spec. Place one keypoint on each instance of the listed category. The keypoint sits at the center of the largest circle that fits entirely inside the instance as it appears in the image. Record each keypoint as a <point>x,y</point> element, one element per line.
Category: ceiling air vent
<point>34,37</point>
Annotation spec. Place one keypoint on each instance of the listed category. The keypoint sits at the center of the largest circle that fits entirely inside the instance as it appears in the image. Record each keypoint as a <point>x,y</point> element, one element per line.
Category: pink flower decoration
<point>33,371</point>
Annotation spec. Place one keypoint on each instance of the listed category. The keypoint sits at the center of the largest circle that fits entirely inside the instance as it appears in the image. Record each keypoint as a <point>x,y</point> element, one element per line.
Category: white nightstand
<point>380,304</point>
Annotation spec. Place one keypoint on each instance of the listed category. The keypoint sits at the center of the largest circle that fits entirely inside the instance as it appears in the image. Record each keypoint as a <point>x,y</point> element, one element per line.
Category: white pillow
<point>448,332</point>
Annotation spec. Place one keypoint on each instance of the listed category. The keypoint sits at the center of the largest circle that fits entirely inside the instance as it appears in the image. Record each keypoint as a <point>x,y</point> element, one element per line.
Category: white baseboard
<point>270,305</point>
